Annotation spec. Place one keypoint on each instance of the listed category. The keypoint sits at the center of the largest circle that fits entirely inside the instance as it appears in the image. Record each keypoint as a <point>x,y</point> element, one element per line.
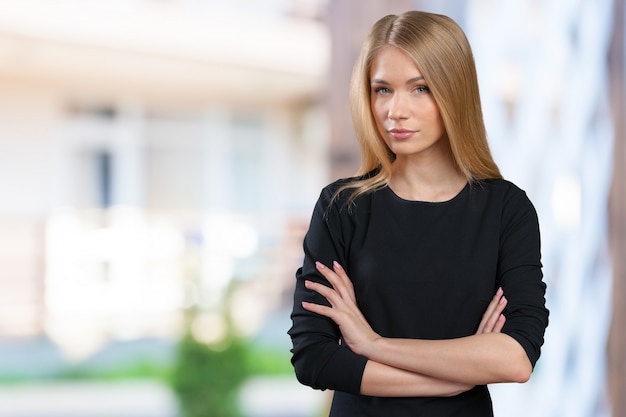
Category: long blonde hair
<point>441,51</point>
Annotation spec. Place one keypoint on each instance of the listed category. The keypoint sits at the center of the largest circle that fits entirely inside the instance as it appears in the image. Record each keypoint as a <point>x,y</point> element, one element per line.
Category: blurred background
<point>160,159</point>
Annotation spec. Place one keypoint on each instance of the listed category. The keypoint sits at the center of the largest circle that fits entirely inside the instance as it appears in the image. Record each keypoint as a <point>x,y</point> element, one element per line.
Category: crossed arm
<point>413,367</point>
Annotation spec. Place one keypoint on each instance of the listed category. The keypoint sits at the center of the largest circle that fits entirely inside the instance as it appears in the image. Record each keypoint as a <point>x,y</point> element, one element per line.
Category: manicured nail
<point>336,265</point>
<point>307,283</point>
<point>502,300</point>
<point>319,265</point>
<point>500,291</point>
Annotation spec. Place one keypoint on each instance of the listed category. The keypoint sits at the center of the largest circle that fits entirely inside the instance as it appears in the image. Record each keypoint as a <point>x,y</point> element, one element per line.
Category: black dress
<point>423,271</point>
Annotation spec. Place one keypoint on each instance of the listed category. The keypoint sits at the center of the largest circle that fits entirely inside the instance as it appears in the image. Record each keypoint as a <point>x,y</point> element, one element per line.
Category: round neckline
<point>434,203</point>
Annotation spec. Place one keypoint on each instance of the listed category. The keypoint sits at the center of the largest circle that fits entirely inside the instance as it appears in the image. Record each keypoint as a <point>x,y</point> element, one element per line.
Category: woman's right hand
<point>493,320</point>
<point>356,332</point>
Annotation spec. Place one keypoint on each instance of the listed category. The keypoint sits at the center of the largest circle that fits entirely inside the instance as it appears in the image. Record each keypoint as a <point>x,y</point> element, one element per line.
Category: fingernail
<point>319,265</point>
<point>502,300</point>
<point>306,283</point>
<point>500,291</point>
<point>336,265</point>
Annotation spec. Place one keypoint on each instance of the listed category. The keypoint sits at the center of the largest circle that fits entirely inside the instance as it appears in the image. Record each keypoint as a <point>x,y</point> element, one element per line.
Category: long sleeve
<point>519,273</point>
<point>319,359</point>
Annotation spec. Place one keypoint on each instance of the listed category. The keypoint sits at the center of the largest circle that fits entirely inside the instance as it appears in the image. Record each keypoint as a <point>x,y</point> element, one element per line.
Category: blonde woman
<point>422,280</point>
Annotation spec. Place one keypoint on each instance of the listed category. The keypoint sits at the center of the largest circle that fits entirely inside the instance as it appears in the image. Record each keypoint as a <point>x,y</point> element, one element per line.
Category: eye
<point>422,89</point>
<point>381,90</point>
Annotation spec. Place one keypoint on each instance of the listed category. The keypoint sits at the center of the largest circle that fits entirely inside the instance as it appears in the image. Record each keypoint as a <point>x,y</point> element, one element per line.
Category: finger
<point>499,324</point>
<point>341,273</point>
<point>337,303</point>
<point>345,280</point>
<point>319,309</point>
<point>490,309</point>
<point>327,273</point>
<point>338,279</point>
<point>326,292</point>
<point>496,315</point>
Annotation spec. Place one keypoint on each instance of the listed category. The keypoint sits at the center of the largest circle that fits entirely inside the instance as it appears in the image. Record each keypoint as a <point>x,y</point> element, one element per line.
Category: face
<point>406,114</point>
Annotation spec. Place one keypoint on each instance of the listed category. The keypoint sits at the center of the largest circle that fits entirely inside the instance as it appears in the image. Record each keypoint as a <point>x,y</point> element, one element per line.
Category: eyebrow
<point>411,81</point>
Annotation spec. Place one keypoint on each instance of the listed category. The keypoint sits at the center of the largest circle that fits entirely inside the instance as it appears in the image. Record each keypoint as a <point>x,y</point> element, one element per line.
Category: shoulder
<point>340,191</point>
<point>502,198</point>
<point>501,190</point>
<point>497,185</point>
<point>514,208</point>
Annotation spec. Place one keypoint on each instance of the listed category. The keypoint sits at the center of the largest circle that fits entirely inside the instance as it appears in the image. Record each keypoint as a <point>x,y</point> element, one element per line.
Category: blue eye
<point>382,90</point>
<point>422,89</point>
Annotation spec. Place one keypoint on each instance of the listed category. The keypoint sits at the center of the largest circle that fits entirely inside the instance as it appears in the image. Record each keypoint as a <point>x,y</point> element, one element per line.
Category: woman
<point>400,304</point>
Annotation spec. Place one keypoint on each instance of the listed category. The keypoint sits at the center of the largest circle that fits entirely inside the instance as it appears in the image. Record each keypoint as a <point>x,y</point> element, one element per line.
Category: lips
<point>401,133</point>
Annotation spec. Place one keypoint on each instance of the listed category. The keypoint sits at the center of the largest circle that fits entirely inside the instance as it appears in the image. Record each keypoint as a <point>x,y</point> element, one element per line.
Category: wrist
<point>374,348</point>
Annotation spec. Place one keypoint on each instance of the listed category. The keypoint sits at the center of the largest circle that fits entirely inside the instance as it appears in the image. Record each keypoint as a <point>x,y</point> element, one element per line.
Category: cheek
<point>379,113</point>
<point>431,113</point>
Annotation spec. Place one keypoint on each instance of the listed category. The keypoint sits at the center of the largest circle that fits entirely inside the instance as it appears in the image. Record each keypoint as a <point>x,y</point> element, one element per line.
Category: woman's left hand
<point>356,331</point>
<point>493,320</point>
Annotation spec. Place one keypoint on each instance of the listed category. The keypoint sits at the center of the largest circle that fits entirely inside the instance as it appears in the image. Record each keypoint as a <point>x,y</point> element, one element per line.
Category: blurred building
<point>153,152</point>
<point>147,145</point>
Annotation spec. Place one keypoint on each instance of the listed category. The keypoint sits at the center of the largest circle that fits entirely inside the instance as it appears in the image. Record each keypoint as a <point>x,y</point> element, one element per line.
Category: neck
<point>426,179</point>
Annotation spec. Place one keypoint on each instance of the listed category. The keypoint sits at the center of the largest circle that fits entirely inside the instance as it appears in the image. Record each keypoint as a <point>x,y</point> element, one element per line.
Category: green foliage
<point>268,361</point>
<point>136,369</point>
<point>148,369</point>
<point>207,380</point>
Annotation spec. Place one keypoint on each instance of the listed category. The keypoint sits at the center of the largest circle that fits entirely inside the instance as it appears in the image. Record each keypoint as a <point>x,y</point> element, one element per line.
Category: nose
<point>398,109</point>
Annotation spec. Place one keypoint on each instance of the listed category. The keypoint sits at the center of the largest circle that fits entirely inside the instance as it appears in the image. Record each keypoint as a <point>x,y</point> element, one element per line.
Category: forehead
<point>391,61</point>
